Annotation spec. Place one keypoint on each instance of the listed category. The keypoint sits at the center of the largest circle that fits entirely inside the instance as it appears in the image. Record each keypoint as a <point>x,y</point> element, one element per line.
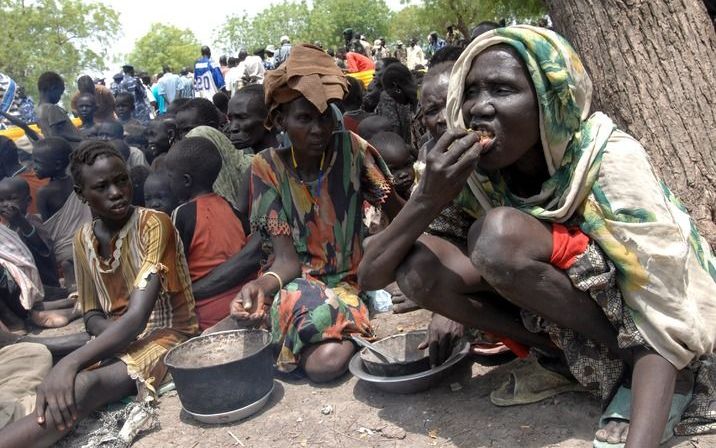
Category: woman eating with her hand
<point>578,249</point>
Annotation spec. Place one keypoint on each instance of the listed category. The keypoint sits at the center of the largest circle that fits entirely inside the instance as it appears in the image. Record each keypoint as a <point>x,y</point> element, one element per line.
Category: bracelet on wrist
<point>276,276</point>
<point>32,232</point>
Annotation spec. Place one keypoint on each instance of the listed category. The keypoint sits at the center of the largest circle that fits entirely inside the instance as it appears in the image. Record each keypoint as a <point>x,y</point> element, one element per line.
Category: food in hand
<point>484,137</point>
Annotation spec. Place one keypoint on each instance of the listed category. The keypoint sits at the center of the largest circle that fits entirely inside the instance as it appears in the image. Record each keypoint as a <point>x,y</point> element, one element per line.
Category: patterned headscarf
<point>308,72</point>
<point>571,141</point>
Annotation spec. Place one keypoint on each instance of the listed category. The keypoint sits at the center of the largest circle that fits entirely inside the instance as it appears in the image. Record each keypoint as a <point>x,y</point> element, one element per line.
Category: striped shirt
<point>147,244</point>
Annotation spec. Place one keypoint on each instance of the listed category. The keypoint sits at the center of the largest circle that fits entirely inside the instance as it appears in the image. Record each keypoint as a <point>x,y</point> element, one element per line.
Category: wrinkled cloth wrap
<point>17,259</point>
<point>602,179</point>
<point>234,163</point>
<point>308,72</point>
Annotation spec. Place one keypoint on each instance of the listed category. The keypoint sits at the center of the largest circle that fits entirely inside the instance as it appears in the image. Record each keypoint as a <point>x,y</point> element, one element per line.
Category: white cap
<point>285,38</point>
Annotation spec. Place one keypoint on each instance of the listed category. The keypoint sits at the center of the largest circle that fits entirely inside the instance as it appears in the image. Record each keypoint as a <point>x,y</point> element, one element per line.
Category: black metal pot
<point>223,371</point>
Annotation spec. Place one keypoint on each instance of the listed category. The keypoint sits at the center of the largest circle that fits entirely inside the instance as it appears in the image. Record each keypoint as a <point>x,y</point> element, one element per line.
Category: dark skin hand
<point>252,301</point>
<point>445,174</point>
<point>32,135</point>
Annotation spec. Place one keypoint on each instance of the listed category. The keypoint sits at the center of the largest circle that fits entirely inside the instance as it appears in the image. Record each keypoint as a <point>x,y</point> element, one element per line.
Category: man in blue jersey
<point>207,76</point>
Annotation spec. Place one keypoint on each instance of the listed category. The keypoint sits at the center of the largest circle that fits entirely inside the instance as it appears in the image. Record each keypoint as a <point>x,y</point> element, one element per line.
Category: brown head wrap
<point>308,72</point>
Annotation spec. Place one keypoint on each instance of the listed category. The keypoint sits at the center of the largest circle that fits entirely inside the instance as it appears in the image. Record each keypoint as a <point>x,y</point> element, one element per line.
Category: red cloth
<point>35,184</point>
<point>567,245</point>
<point>218,236</point>
<point>357,62</point>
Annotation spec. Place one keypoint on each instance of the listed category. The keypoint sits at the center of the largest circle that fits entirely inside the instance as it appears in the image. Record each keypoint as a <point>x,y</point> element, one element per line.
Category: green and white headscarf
<point>602,179</point>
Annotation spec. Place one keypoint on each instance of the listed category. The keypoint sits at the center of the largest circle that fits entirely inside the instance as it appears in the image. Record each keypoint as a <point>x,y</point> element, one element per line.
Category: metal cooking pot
<point>222,372</point>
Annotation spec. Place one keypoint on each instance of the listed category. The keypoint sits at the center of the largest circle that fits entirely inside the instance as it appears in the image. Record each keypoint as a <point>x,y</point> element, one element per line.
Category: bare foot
<point>401,303</point>
<point>617,430</point>
<point>404,306</point>
<point>54,318</point>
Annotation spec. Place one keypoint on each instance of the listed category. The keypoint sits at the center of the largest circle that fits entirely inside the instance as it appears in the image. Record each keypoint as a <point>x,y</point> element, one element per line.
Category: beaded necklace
<point>320,177</point>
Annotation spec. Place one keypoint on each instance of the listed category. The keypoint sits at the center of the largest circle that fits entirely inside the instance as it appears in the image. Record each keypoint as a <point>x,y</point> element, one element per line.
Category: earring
<point>284,140</point>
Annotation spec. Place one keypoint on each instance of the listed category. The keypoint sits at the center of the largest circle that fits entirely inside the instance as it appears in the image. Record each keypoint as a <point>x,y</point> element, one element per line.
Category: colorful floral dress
<point>324,219</point>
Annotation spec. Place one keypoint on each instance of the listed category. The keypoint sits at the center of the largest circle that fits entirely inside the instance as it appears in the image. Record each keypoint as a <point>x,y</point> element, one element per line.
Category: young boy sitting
<point>135,297</point>
<point>14,199</point>
<point>62,211</point>
<point>158,194</point>
<point>51,118</point>
<point>193,165</point>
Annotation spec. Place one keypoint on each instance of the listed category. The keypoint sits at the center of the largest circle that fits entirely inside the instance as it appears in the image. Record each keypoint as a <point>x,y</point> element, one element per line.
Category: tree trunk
<point>653,65</point>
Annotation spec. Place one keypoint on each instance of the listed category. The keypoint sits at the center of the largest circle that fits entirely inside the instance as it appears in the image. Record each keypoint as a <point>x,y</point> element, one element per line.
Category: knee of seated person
<point>494,245</point>
<point>328,363</point>
<point>414,277</point>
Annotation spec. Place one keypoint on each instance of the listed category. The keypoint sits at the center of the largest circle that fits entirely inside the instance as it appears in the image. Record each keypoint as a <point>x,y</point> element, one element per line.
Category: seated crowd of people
<point>486,192</point>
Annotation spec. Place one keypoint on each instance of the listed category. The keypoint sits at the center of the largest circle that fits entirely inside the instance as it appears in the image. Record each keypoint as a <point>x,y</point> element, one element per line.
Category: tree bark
<point>653,65</point>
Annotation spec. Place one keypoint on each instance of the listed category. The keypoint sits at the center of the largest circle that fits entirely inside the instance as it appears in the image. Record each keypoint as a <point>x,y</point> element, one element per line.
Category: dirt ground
<point>361,416</point>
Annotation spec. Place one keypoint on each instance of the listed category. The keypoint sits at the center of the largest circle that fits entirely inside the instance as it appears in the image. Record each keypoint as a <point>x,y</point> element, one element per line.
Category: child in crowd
<point>124,109</point>
<point>397,155</point>
<point>62,211</point>
<point>51,118</point>
<point>134,293</point>
<point>372,125</point>
<point>134,136</point>
<point>86,108</point>
<point>160,134</point>
<point>139,175</point>
<point>158,194</point>
<point>113,131</point>
<point>193,165</point>
<point>10,166</point>
<point>14,199</point>
<point>352,103</point>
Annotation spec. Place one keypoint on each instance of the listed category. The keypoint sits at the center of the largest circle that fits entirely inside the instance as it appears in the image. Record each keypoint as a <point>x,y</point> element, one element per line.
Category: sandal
<point>531,383</point>
<point>620,409</point>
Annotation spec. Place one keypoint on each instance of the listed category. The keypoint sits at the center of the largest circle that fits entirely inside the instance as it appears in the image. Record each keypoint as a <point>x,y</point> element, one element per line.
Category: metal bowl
<point>402,347</point>
<point>232,416</point>
<point>409,384</point>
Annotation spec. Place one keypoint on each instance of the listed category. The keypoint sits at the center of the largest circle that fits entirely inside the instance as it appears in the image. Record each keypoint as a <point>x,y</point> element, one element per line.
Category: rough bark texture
<point>653,65</point>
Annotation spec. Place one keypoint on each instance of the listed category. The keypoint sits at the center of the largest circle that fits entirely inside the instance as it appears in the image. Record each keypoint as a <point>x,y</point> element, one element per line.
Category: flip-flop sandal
<point>483,348</point>
<point>620,409</point>
<point>532,383</point>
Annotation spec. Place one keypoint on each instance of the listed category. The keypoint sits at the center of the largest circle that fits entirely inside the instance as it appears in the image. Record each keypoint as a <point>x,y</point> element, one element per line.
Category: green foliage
<point>65,36</point>
<point>329,18</point>
<point>465,14</point>
<point>407,23</point>
<point>164,45</point>
<point>324,22</point>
